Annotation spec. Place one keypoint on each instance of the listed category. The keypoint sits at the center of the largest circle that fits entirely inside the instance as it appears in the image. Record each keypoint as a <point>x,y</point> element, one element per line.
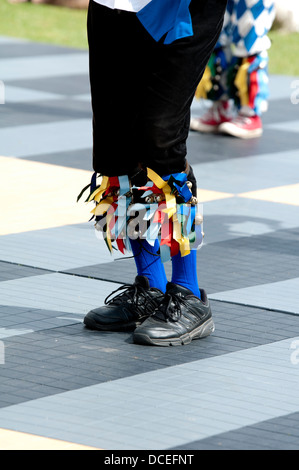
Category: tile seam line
<point>51,271</point>
<point>26,266</point>
<point>255,306</point>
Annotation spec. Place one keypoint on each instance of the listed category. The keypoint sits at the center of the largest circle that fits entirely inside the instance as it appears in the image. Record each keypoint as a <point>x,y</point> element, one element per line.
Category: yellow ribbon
<point>97,194</point>
<point>183,241</point>
<point>171,210</point>
<point>155,178</point>
<point>241,82</point>
<point>185,246</point>
<point>169,197</point>
<point>205,85</point>
<point>102,206</point>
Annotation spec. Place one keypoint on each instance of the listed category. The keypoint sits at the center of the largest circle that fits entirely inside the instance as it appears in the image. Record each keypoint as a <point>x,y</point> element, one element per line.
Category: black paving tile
<point>231,264</point>
<point>9,271</point>
<point>274,434</point>
<point>66,358</point>
<point>80,159</point>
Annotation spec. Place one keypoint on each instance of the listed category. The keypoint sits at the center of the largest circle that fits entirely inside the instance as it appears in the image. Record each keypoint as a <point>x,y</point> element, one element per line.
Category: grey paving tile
<point>56,249</point>
<point>20,114</point>
<point>80,159</point>
<point>44,66</point>
<point>66,85</point>
<point>70,135</point>
<point>289,126</point>
<point>15,48</point>
<point>15,94</point>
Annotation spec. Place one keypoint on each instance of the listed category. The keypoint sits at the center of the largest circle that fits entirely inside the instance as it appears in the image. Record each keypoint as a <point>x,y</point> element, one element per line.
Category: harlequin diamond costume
<point>236,78</point>
<point>146,60</point>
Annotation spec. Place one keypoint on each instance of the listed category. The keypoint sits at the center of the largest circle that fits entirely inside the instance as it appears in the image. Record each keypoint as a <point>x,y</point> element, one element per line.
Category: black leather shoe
<point>180,318</point>
<point>126,310</point>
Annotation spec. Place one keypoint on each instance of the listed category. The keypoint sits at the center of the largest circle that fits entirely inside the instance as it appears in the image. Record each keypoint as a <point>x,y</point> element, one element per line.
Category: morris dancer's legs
<point>153,85</point>
<point>237,73</point>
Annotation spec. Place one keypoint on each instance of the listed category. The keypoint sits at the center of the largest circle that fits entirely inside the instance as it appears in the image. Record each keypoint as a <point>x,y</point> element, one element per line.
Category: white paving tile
<point>282,87</point>
<point>241,217</point>
<point>56,292</point>
<point>287,126</point>
<point>44,66</point>
<point>56,249</point>
<point>239,175</point>
<point>15,94</point>
<point>9,332</point>
<point>282,295</point>
<point>83,97</point>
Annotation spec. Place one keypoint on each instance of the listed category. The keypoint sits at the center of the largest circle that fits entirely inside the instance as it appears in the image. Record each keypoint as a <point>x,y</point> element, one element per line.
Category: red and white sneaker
<point>216,115</point>
<point>244,127</point>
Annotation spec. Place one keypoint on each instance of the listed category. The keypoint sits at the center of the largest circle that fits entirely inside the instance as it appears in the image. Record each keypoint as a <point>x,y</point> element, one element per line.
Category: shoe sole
<point>202,331</point>
<point>240,133</point>
<point>204,128</point>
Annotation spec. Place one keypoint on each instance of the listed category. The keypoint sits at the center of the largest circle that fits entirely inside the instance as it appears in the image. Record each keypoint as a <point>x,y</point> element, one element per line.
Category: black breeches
<point>142,90</point>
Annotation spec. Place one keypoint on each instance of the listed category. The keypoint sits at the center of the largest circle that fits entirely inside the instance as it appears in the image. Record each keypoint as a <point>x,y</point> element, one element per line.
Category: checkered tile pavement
<point>62,386</point>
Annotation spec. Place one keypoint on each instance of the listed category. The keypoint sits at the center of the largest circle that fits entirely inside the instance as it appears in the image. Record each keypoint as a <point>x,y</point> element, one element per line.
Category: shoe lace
<point>170,307</point>
<point>135,294</point>
<point>216,111</point>
<point>213,112</point>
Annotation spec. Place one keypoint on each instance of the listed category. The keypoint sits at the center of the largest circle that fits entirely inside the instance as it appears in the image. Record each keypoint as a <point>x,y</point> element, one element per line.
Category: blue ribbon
<point>167,17</point>
<point>122,205</point>
<point>179,182</point>
<point>93,182</point>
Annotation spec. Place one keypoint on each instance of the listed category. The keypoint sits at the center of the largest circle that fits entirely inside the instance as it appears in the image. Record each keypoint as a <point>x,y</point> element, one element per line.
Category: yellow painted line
<point>14,440</point>
<point>206,195</point>
<point>35,196</point>
<point>288,194</point>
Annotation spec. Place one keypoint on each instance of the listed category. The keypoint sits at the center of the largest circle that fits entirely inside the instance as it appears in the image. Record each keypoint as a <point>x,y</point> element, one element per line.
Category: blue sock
<point>149,263</point>
<point>184,272</point>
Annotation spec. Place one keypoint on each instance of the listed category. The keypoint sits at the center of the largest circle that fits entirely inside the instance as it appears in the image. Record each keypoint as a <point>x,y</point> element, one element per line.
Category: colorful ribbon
<point>169,214</point>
